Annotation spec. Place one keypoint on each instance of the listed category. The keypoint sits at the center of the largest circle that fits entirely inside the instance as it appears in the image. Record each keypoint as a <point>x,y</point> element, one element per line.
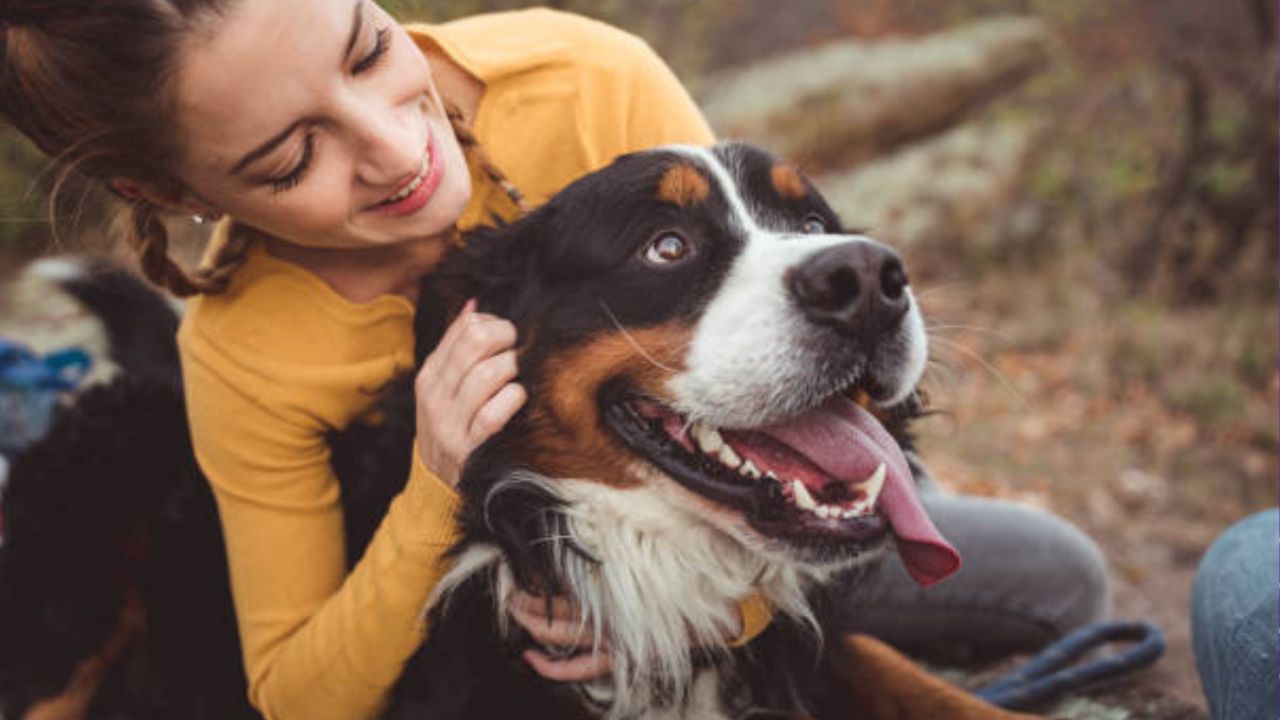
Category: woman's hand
<point>464,391</point>
<point>563,628</point>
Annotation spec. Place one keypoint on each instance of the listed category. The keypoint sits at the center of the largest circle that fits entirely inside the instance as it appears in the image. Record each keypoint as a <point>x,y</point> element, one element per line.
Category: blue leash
<point>1050,674</point>
<point>29,390</point>
<point>22,369</point>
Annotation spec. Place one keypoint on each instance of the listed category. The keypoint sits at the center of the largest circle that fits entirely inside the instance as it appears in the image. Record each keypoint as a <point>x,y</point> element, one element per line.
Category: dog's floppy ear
<point>520,515</point>
<point>497,266</point>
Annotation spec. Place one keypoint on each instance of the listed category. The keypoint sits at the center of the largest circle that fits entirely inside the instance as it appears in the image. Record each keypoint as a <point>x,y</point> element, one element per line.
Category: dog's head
<point>695,321</point>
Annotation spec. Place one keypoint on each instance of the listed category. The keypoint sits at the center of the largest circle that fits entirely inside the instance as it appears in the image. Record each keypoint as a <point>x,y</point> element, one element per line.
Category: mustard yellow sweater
<point>280,359</point>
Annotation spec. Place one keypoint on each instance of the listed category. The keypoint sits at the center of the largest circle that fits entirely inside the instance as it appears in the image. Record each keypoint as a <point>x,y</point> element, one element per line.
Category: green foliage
<point>24,214</point>
<point>1216,402</point>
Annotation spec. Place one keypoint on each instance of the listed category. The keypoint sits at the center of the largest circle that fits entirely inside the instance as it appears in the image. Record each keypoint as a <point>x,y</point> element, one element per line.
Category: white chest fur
<point>663,578</point>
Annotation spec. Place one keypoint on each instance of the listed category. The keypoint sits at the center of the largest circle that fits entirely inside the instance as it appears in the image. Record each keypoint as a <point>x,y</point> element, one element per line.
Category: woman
<point>324,128</point>
<point>347,150</point>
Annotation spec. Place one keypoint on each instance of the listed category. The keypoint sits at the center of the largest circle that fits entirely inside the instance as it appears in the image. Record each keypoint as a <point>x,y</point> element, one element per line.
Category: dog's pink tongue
<point>848,443</point>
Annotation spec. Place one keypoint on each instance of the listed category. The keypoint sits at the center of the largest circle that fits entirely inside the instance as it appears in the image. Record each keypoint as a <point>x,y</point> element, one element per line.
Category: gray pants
<point>1027,577</point>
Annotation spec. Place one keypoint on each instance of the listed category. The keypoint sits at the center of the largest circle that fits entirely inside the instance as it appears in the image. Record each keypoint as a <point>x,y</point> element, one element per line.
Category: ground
<point>1109,356</point>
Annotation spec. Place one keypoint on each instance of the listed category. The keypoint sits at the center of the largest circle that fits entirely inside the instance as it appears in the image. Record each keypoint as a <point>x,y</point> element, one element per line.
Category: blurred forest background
<point>1088,203</point>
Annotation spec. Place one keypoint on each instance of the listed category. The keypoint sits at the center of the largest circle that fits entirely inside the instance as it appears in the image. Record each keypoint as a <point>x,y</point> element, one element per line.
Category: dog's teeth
<point>750,470</point>
<point>804,500</point>
<point>873,485</point>
<point>729,457</point>
<point>708,438</point>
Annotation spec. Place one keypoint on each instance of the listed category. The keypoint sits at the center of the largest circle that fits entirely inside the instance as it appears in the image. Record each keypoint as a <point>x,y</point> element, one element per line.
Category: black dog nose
<point>858,288</point>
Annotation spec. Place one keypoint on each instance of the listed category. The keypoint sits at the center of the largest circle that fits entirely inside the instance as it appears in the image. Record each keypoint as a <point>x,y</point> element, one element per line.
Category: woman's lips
<point>426,183</point>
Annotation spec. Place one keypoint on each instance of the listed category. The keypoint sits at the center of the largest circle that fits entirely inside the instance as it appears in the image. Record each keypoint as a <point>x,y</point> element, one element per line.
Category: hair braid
<point>470,144</point>
<point>223,259</point>
<point>147,235</point>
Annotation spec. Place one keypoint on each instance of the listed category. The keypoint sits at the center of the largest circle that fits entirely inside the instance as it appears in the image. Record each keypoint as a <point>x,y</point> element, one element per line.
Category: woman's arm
<point>318,642</point>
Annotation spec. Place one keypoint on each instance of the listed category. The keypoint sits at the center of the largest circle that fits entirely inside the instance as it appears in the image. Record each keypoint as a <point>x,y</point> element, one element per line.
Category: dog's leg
<point>883,685</point>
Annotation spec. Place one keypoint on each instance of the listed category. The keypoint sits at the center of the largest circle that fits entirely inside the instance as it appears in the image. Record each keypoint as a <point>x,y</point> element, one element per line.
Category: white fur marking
<point>666,580</point>
<point>57,269</point>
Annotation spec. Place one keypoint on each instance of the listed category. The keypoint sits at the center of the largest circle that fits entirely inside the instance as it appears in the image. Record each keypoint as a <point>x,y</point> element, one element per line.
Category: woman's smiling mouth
<point>415,194</point>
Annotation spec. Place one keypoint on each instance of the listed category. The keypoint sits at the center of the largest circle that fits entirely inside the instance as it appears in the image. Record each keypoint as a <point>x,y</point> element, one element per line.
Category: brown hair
<point>87,82</point>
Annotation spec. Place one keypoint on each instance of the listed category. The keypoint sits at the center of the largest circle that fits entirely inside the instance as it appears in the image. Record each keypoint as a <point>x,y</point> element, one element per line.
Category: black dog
<point>716,378</point>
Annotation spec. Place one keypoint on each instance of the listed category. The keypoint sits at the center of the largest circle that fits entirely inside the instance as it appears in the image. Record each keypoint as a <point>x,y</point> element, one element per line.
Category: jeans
<point>1027,578</point>
<point>1234,617</point>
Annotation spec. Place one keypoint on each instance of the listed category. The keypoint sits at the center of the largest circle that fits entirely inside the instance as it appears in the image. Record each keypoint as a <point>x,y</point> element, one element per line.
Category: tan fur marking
<point>569,438</point>
<point>788,183</point>
<point>683,185</point>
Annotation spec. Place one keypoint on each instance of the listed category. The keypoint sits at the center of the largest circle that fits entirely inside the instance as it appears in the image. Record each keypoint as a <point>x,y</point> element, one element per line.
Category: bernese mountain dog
<point>720,381</point>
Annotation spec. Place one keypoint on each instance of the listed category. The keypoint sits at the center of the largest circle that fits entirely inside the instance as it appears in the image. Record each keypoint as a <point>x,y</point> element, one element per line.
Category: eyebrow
<point>265,148</point>
<point>270,145</point>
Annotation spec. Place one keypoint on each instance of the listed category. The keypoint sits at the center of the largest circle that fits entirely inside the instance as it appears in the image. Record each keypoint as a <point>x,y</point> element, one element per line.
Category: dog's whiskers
<point>688,425</point>
<point>631,339</point>
<point>551,539</point>
<point>970,328</point>
<point>941,287</point>
<point>1004,380</point>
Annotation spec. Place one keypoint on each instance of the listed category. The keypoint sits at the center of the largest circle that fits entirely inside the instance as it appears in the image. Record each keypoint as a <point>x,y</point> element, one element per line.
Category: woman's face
<point>318,122</point>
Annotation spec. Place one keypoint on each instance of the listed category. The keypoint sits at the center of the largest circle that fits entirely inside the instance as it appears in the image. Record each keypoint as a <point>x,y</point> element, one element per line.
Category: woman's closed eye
<point>382,40</point>
<point>291,179</point>
<point>281,183</point>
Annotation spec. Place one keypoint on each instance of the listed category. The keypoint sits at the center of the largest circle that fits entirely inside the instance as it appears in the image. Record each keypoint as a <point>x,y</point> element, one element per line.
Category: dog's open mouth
<point>831,475</point>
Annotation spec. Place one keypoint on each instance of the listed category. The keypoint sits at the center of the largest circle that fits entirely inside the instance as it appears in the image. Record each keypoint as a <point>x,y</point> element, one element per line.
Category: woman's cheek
<point>314,213</point>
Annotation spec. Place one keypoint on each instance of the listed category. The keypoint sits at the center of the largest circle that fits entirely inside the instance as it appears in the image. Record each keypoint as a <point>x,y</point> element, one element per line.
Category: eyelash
<point>366,63</point>
<point>379,51</point>
<point>291,180</point>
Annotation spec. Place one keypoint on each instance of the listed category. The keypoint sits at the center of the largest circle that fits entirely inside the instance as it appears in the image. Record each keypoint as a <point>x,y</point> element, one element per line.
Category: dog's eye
<point>667,248</point>
<point>814,225</point>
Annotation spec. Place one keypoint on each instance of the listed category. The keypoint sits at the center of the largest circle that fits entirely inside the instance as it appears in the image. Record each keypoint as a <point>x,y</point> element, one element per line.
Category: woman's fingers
<point>536,605</point>
<point>557,632</point>
<point>578,668</point>
<point>480,337</point>
<point>558,623</point>
<point>495,413</point>
<point>483,379</point>
<point>464,392</point>
<point>455,327</point>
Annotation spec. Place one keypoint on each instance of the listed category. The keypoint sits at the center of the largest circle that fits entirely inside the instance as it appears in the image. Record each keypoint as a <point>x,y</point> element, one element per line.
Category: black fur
<point>550,273</point>
<point>108,504</point>
<point>111,501</point>
<point>139,322</point>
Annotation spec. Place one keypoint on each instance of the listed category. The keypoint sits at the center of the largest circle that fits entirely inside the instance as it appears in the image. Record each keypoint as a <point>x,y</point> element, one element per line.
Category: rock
<point>954,186</point>
<point>848,101</point>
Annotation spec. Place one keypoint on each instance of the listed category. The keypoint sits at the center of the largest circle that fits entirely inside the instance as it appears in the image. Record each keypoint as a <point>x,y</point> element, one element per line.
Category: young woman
<point>342,148</point>
<point>343,152</point>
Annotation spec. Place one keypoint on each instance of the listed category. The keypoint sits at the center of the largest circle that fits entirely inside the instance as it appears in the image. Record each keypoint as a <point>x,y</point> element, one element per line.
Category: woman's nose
<point>392,145</point>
